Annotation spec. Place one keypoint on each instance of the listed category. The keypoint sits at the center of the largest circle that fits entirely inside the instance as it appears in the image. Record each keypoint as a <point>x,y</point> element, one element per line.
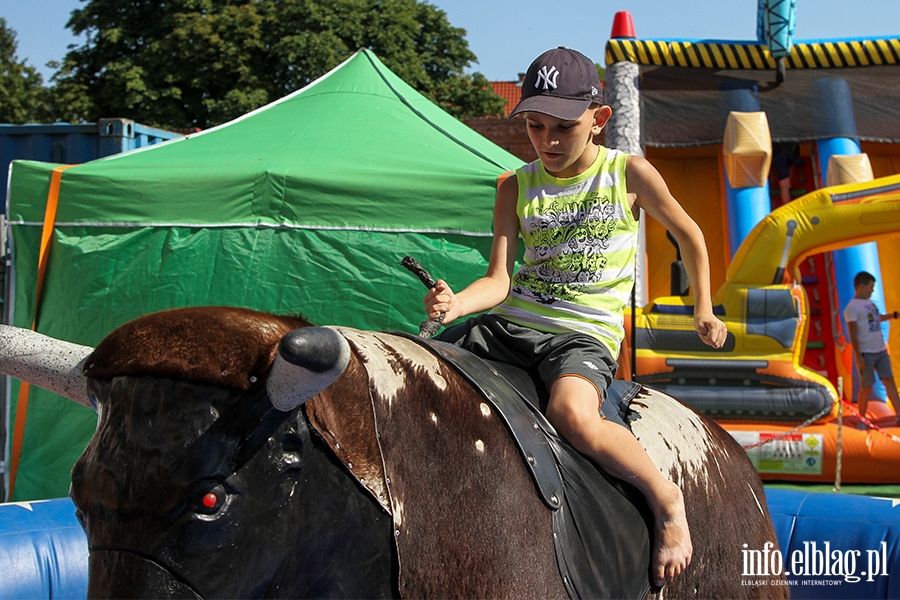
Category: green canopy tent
<point>306,206</point>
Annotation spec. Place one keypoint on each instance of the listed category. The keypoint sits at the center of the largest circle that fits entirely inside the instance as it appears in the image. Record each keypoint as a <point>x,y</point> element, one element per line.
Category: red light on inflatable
<point>623,25</point>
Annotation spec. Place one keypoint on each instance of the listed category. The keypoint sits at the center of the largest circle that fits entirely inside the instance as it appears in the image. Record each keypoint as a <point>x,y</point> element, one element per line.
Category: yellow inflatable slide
<point>756,385</point>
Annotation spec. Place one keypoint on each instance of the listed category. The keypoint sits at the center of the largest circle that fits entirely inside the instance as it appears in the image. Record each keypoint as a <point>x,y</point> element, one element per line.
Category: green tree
<point>21,86</point>
<point>198,63</point>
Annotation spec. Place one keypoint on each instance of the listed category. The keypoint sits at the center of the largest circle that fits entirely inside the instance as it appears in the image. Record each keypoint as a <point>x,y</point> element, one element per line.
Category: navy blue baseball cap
<point>561,83</point>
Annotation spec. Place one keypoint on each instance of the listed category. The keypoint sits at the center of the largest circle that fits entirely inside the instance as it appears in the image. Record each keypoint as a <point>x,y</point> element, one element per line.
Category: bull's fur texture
<point>466,518</point>
<point>724,497</point>
<point>221,346</point>
<point>374,511</point>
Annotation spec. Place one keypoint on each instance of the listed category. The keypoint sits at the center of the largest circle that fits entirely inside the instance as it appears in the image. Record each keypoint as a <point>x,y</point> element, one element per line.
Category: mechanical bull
<point>240,454</point>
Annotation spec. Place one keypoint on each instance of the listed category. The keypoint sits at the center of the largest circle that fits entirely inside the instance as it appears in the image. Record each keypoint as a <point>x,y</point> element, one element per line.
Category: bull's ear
<point>46,362</point>
<point>309,360</point>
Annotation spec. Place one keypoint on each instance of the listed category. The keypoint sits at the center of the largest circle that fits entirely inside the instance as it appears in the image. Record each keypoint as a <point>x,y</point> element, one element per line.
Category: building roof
<point>511,91</point>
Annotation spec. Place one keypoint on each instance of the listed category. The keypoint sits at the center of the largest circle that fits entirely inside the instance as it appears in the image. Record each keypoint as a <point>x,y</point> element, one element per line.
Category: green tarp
<point>304,206</point>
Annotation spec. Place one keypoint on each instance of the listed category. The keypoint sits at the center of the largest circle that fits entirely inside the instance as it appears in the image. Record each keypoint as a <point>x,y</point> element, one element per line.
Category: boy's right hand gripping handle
<point>430,327</point>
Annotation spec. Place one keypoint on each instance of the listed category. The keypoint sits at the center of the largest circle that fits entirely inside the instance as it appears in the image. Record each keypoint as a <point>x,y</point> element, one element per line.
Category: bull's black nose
<point>315,348</point>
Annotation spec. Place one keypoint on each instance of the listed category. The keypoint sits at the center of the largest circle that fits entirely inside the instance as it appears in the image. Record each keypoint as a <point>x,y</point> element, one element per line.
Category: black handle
<point>430,327</point>
<point>418,270</point>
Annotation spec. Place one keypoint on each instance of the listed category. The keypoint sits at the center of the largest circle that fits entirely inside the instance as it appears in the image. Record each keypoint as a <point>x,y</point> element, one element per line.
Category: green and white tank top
<point>580,246</point>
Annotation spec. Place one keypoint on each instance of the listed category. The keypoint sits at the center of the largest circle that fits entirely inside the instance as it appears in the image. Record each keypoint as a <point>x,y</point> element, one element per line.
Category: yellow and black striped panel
<point>723,55</point>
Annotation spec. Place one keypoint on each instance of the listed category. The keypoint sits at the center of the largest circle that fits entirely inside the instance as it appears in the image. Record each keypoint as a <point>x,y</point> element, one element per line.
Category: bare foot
<point>673,539</point>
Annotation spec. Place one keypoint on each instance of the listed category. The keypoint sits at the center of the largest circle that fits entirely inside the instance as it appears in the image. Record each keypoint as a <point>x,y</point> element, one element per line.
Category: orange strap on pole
<point>43,257</point>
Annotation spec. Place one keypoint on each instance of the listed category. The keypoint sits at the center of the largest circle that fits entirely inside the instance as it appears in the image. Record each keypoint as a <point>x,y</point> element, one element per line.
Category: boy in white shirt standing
<point>869,350</point>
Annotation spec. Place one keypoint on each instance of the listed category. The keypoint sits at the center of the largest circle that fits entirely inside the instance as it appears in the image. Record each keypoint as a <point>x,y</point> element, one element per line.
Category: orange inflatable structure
<point>722,121</point>
<point>780,452</point>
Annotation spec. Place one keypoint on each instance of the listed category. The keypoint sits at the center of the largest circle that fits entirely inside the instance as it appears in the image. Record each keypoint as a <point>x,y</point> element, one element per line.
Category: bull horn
<point>309,360</point>
<point>46,362</point>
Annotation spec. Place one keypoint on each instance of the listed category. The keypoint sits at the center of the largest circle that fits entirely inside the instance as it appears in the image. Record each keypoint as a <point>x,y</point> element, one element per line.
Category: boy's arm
<point>492,289</point>
<point>850,316</point>
<point>854,343</point>
<point>653,195</point>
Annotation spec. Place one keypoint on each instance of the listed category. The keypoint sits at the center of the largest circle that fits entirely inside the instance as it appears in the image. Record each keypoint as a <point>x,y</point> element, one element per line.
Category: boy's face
<point>566,148</point>
<point>865,290</point>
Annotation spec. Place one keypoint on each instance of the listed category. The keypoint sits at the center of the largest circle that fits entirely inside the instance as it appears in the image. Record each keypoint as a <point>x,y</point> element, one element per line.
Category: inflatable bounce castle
<point>713,116</point>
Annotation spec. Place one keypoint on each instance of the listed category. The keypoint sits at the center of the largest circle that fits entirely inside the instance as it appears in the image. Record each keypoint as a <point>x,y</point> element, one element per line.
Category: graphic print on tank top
<point>569,245</point>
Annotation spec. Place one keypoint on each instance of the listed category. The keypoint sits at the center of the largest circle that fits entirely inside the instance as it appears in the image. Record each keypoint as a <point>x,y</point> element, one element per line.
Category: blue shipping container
<point>65,143</point>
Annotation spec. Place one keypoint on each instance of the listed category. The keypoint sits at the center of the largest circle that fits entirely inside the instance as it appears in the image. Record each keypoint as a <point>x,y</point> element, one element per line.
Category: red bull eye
<point>208,497</point>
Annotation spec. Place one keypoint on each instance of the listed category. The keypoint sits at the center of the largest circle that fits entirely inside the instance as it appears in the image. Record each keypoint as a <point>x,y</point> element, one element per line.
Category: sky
<point>506,35</point>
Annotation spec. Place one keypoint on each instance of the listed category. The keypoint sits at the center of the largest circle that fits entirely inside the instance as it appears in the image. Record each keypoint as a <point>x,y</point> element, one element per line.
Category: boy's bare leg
<point>862,402</point>
<point>785,187</point>
<point>890,387</point>
<point>573,411</point>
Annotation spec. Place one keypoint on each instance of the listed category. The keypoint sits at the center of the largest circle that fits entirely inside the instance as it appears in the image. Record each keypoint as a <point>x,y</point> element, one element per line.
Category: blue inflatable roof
<point>835,545</point>
<point>43,551</point>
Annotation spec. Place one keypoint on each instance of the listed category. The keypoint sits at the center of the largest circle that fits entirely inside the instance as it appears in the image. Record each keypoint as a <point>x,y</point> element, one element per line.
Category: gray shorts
<point>875,361</point>
<point>552,354</point>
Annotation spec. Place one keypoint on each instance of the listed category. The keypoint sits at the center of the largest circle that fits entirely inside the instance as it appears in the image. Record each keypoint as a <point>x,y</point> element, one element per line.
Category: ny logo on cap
<point>548,76</point>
